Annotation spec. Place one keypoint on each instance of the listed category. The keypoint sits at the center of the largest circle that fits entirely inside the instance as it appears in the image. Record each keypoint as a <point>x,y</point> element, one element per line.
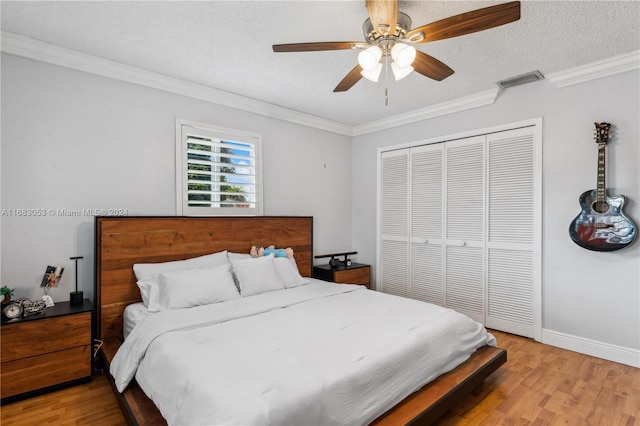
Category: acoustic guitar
<point>602,225</point>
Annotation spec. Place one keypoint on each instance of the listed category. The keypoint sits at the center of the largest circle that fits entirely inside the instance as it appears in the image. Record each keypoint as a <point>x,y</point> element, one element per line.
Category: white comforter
<point>320,354</point>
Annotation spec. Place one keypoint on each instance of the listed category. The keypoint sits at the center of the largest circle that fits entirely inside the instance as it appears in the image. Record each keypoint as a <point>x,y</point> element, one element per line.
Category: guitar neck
<point>602,173</point>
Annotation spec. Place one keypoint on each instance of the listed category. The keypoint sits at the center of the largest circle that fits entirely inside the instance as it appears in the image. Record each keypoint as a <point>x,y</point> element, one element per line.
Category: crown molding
<point>30,48</point>
<point>27,47</point>
<point>598,69</point>
<point>467,102</point>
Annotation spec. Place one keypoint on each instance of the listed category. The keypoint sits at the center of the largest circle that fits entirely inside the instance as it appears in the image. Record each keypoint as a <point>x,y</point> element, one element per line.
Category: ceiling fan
<point>389,38</point>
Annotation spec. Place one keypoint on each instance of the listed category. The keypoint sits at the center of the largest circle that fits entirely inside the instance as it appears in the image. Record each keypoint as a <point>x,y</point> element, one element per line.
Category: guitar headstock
<point>601,134</point>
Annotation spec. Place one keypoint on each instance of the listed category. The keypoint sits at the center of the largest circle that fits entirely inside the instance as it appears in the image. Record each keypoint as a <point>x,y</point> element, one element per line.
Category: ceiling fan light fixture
<point>400,72</point>
<point>373,74</point>
<point>403,54</point>
<point>369,58</point>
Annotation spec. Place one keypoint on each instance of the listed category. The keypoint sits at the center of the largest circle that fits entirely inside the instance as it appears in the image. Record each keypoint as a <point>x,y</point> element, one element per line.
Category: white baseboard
<point>590,347</point>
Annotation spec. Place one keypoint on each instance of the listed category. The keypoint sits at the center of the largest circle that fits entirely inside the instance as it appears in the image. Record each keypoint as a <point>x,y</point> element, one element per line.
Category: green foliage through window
<point>220,173</point>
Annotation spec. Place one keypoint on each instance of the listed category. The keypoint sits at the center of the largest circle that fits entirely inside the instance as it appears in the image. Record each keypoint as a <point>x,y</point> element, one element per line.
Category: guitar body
<point>602,225</point>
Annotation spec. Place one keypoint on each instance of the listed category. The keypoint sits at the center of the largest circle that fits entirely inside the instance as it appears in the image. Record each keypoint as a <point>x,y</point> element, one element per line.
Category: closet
<point>459,225</point>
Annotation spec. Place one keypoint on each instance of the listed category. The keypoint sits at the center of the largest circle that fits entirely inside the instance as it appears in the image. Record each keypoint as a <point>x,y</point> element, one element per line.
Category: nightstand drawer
<point>28,374</point>
<point>31,338</point>
<point>354,276</point>
<point>356,273</point>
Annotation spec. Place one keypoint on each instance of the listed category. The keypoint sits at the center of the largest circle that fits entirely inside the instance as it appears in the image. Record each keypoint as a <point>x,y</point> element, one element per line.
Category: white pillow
<point>143,270</point>
<point>257,276</point>
<point>149,292</point>
<point>147,273</point>
<point>195,287</point>
<point>238,256</point>
<point>288,273</point>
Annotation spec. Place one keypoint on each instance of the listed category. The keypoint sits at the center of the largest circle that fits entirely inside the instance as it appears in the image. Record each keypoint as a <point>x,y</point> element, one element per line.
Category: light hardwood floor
<point>539,385</point>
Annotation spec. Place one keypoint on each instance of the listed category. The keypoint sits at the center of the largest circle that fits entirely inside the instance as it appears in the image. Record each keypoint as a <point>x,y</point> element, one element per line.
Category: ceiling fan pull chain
<point>386,81</point>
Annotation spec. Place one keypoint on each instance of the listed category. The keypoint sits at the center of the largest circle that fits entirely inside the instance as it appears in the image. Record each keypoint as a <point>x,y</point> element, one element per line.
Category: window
<point>218,171</point>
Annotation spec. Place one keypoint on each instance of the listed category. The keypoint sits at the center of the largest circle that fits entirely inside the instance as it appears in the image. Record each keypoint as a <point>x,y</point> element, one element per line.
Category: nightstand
<point>356,273</point>
<point>47,351</point>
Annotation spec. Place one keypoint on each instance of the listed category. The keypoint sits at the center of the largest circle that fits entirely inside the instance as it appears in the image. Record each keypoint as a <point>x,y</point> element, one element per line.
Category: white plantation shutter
<point>426,223</point>
<point>218,171</point>
<point>510,242</point>
<point>395,195</point>
<point>510,298</point>
<point>427,282</point>
<point>511,187</point>
<point>465,190</point>
<point>394,222</point>
<point>394,277</point>
<point>466,214</point>
<point>426,192</point>
<point>464,281</point>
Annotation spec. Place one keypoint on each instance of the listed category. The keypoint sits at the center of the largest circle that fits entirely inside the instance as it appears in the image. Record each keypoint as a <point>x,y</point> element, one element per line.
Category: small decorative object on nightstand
<point>343,272</point>
<point>51,279</point>
<point>12,310</point>
<point>6,293</point>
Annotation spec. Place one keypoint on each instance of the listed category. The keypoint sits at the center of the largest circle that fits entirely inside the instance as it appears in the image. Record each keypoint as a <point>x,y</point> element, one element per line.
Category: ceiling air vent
<point>521,79</point>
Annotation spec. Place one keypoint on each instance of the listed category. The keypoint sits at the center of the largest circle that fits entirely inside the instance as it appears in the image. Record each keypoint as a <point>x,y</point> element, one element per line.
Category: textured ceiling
<point>226,45</point>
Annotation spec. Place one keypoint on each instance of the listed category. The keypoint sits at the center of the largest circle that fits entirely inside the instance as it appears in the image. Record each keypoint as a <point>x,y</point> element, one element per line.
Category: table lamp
<point>76,297</point>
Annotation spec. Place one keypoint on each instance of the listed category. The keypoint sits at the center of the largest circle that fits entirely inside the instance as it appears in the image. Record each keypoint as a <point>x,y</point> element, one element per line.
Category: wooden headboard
<point>122,242</point>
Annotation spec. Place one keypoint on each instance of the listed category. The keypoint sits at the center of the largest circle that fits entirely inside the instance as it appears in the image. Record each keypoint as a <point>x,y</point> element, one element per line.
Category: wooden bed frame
<point>121,242</point>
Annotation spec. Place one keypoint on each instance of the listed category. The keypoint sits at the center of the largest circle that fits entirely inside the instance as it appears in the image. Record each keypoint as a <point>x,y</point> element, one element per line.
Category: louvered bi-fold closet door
<point>465,227</point>
<point>511,231</point>
<point>426,239</point>
<point>394,223</point>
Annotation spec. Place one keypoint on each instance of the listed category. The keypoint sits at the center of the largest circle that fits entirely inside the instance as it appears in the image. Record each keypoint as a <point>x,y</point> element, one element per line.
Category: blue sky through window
<point>243,175</point>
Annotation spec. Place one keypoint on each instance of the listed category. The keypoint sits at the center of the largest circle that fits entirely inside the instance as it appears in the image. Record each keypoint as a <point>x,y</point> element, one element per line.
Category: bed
<point>124,242</point>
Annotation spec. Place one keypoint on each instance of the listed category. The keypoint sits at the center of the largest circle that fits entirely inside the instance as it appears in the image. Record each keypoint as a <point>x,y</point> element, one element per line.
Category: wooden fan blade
<point>431,67</point>
<point>324,45</point>
<point>466,23</point>
<point>352,78</point>
<point>383,15</point>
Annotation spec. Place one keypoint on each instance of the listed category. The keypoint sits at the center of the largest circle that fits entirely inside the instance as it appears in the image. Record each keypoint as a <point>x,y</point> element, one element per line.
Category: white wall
<point>591,298</point>
<point>72,140</point>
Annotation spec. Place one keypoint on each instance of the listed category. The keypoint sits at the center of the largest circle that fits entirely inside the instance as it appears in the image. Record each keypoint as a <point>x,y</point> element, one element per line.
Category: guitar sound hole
<point>600,206</point>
